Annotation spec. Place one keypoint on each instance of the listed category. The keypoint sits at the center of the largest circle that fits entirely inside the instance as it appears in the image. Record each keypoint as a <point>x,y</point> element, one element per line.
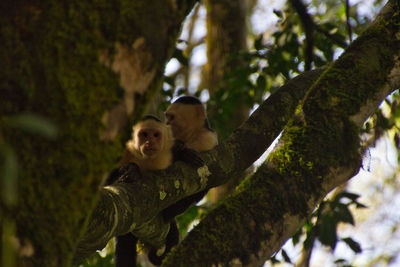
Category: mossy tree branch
<point>318,151</point>
<point>55,66</point>
<point>141,218</point>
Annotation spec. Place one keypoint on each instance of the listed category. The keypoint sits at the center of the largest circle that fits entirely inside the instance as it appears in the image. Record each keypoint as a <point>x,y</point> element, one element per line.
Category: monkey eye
<point>143,134</point>
<point>156,134</point>
<point>171,117</point>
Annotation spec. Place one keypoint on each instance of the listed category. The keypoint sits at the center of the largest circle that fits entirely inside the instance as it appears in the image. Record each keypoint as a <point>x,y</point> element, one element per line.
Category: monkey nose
<point>149,142</point>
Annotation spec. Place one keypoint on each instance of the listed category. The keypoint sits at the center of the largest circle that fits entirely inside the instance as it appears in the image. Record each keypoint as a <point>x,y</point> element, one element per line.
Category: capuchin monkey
<point>190,131</point>
<point>188,120</point>
<point>152,147</point>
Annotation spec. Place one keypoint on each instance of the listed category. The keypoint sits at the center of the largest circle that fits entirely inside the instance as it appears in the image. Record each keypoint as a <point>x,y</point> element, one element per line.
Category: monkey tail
<point>171,240</point>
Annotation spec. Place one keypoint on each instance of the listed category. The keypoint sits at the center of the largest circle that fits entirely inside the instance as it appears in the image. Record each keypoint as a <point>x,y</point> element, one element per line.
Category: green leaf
<point>355,246</point>
<point>327,231</point>
<point>180,91</point>
<point>171,81</point>
<point>33,124</point>
<point>296,236</point>
<point>348,195</point>
<point>274,260</point>
<point>285,256</point>
<point>340,261</point>
<point>187,218</point>
<point>258,45</point>
<point>96,260</point>
<point>308,243</point>
<point>360,206</point>
<point>278,13</point>
<point>343,214</point>
<point>178,54</point>
<point>261,83</point>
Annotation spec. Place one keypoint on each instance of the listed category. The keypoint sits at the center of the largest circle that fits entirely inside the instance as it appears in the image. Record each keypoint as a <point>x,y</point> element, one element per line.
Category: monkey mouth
<point>149,150</point>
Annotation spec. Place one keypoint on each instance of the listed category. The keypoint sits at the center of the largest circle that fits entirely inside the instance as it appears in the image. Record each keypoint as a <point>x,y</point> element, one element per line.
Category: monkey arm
<point>113,176</point>
<point>182,205</point>
<point>123,174</point>
<point>182,153</point>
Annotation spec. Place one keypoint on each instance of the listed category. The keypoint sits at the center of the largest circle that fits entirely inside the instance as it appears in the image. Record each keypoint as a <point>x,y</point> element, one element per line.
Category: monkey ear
<point>133,133</point>
<point>130,145</point>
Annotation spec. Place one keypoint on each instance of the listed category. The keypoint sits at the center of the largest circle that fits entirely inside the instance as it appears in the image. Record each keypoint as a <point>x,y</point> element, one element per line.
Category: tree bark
<point>226,40</point>
<point>90,67</point>
<point>58,181</point>
<point>319,150</point>
<point>145,204</point>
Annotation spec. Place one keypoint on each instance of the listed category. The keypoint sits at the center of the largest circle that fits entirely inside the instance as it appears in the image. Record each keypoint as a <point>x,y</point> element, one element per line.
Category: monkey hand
<point>112,177</point>
<point>129,173</point>
<point>187,155</point>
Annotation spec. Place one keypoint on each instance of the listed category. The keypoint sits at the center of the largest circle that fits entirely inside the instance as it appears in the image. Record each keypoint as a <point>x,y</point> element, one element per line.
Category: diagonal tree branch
<point>146,204</point>
<point>273,203</point>
<point>318,151</point>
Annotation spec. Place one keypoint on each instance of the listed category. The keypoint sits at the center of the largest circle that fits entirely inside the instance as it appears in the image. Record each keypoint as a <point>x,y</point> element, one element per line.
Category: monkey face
<point>178,117</point>
<point>176,122</point>
<point>150,141</point>
<point>150,145</point>
<point>185,119</point>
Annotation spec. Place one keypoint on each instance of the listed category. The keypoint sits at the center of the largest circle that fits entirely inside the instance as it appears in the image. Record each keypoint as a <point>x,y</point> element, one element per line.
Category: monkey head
<point>150,137</point>
<point>149,141</point>
<point>185,116</point>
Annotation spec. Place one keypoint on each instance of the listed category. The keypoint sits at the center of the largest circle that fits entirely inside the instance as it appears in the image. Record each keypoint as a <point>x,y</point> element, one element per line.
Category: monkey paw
<point>129,173</point>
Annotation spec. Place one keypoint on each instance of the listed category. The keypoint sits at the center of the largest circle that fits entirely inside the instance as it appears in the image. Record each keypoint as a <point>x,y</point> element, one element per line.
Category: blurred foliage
<point>386,119</point>
<point>99,261</point>
<point>29,124</point>
<point>275,57</point>
<point>185,220</point>
<point>323,223</point>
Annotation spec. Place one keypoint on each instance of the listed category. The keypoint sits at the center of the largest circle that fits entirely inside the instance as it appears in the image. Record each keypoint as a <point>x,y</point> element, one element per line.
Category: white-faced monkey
<point>152,147</point>
<point>188,119</point>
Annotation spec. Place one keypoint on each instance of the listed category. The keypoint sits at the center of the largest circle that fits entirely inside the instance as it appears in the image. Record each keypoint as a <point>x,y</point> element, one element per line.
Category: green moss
<point>54,71</point>
<point>50,52</point>
<point>225,244</point>
<point>323,136</point>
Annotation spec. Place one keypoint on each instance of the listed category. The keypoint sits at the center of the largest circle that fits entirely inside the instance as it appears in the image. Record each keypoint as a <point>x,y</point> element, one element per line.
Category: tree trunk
<point>54,65</point>
<point>226,39</point>
<point>90,67</point>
